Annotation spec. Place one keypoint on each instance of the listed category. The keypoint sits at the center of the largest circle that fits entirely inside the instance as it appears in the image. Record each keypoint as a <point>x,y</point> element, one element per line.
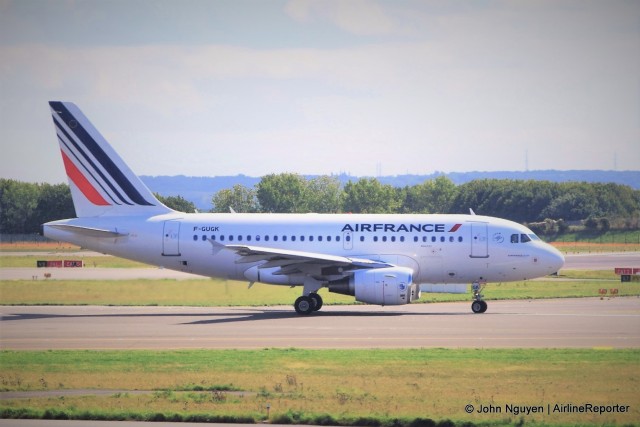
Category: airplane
<point>383,259</point>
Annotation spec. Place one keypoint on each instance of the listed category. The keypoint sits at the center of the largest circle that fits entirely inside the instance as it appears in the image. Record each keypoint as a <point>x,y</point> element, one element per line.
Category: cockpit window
<point>523,238</point>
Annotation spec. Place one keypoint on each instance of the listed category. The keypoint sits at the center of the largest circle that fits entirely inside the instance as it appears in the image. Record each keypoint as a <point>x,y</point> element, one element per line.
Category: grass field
<point>362,387</point>
<point>420,383</point>
<point>213,292</point>
<point>48,246</point>
<point>210,292</point>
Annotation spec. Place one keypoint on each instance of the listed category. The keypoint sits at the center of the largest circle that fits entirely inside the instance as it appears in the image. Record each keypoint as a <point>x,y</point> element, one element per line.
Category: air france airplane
<point>378,259</point>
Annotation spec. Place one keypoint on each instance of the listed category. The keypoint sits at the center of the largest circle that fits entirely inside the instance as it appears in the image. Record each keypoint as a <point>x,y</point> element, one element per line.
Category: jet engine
<point>382,286</point>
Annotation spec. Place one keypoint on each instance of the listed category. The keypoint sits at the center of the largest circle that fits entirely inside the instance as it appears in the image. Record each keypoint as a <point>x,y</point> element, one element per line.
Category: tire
<point>484,306</point>
<point>477,306</point>
<point>317,301</point>
<point>304,305</point>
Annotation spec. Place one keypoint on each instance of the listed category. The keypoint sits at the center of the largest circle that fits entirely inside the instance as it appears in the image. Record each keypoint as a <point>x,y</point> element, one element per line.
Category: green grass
<point>211,292</point>
<point>341,384</point>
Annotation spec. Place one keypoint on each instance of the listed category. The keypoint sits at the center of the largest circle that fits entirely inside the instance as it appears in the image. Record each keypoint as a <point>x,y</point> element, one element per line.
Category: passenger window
<point>362,238</point>
<point>393,238</point>
<point>328,238</point>
<point>293,238</point>
<point>266,238</point>
<point>433,238</point>
<point>311,238</point>
<point>284,238</point>
<point>375,238</point>
<point>514,238</point>
<point>257,238</point>
<point>275,238</point>
<point>204,238</point>
<point>213,237</point>
<point>230,238</point>
<point>222,237</point>
<point>239,238</point>
<point>415,238</point>
<point>442,239</point>
<point>384,238</point>
<point>302,238</point>
<point>195,238</point>
<point>402,238</point>
<point>460,239</point>
<point>248,238</point>
<point>338,238</point>
<point>451,239</point>
<point>524,238</point>
<point>319,238</point>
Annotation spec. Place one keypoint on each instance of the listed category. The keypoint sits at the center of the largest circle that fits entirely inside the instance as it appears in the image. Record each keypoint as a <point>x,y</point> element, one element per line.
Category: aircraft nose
<point>554,259</point>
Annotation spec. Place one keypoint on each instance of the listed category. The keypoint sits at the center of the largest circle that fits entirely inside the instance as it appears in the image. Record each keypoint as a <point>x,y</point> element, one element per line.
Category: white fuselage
<point>437,248</point>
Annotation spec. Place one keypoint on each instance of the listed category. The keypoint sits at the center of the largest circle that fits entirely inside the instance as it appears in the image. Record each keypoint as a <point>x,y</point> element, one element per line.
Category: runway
<point>566,323</point>
<point>601,261</point>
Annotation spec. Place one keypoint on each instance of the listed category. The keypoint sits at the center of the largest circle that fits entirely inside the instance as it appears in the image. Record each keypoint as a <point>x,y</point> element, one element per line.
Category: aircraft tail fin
<point>101,182</point>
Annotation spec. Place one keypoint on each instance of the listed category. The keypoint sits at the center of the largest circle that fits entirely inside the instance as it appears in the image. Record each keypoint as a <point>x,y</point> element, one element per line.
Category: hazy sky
<point>209,88</point>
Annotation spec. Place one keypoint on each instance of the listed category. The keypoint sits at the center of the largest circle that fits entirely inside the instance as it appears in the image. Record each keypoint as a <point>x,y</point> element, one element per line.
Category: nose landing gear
<point>478,305</point>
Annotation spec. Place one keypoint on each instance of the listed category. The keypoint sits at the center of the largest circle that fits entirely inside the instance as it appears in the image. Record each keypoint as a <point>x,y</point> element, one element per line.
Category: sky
<point>253,87</point>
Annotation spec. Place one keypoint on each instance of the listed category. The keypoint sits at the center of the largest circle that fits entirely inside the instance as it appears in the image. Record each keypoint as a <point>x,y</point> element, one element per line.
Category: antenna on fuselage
<point>471,212</point>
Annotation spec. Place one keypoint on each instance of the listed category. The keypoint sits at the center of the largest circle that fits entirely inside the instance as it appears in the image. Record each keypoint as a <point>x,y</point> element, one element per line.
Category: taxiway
<point>566,323</point>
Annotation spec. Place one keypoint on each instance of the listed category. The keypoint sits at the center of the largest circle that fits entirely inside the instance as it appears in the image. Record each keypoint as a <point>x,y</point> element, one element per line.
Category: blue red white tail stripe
<point>93,158</point>
<point>99,177</point>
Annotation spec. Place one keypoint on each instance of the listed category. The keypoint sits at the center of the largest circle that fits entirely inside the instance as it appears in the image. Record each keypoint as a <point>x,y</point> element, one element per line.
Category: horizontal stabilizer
<point>88,231</point>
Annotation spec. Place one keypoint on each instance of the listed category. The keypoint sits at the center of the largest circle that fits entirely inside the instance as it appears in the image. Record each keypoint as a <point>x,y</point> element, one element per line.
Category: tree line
<point>524,201</point>
<point>24,206</point>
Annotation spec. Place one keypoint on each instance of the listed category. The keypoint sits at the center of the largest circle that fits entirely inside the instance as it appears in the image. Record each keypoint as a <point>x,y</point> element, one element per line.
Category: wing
<point>319,265</point>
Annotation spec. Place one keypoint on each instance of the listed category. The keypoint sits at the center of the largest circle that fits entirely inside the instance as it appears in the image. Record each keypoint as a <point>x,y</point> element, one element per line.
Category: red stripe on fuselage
<point>82,183</point>
<point>455,228</point>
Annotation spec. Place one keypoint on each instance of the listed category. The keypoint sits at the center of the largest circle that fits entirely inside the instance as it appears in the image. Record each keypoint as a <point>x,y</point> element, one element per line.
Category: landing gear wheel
<point>479,306</point>
<point>304,305</point>
<point>316,300</point>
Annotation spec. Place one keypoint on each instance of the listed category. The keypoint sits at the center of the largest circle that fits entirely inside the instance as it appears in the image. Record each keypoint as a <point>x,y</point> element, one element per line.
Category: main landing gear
<point>310,301</point>
<point>478,305</point>
<point>308,304</point>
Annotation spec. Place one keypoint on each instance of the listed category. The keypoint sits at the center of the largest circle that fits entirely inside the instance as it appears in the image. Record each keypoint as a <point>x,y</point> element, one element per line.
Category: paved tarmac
<point>575,323</point>
<point>601,261</point>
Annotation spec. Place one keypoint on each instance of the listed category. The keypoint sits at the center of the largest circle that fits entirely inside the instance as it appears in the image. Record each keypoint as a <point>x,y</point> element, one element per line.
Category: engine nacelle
<point>382,286</point>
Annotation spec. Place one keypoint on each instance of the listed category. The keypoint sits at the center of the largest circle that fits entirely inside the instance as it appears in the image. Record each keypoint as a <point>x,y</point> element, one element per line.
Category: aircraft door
<point>347,240</point>
<point>171,238</point>
<point>479,240</point>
